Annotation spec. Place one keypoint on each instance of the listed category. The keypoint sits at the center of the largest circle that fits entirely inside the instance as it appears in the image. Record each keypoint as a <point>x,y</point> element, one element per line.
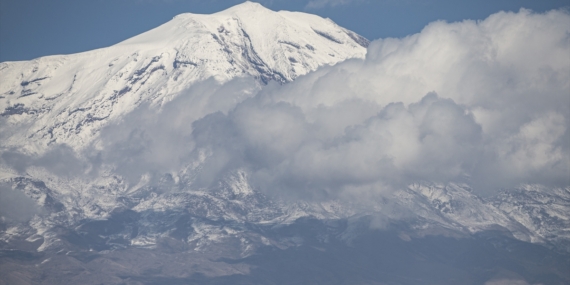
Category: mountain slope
<point>68,98</point>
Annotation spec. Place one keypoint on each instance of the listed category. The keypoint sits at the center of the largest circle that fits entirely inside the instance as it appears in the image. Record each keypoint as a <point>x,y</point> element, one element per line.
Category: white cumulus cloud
<point>487,101</point>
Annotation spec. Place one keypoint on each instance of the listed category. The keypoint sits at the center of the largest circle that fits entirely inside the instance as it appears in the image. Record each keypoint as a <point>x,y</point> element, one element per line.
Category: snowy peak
<point>69,98</point>
<point>246,7</point>
<point>280,45</point>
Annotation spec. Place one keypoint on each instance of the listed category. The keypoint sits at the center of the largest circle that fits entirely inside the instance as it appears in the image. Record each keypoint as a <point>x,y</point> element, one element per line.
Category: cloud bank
<point>487,102</point>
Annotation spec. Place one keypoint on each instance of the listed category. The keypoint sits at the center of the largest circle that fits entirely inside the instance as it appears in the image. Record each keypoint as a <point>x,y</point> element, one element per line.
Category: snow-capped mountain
<point>105,222</point>
<point>532,214</point>
<point>68,98</point>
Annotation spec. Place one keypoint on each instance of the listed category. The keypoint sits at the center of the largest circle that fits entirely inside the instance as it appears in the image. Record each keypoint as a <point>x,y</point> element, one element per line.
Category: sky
<point>35,28</point>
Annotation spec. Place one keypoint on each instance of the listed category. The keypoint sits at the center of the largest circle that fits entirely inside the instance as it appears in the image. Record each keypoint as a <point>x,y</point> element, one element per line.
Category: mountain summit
<point>69,98</point>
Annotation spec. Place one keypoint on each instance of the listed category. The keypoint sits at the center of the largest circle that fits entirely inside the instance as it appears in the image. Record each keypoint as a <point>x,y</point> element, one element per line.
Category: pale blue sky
<point>34,28</point>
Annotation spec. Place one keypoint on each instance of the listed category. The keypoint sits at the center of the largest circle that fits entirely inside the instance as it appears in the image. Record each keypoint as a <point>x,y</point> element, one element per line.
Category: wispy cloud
<point>15,205</point>
<point>506,282</point>
<point>317,4</point>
